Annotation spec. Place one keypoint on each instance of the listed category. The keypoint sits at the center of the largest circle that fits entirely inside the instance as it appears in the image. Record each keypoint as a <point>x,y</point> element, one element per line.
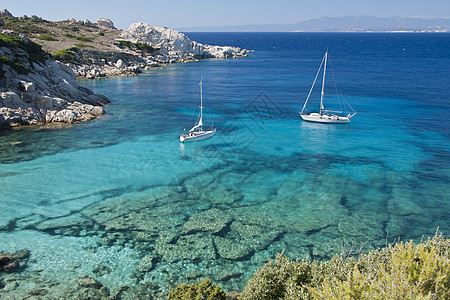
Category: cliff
<point>35,89</point>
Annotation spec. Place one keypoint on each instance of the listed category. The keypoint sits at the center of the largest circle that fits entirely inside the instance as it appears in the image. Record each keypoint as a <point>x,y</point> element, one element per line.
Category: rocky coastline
<point>41,60</point>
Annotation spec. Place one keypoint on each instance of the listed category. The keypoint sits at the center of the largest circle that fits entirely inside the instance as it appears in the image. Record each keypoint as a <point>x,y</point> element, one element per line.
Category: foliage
<point>83,46</point>
<point>34,51</point>
<point>399,271</point>
<point>70,36</point>
<point>46,37</point>
<point>197,291</point>
<point>84,38</point>
<point>74,49</point>
<point>24,25</point>
<point>64,55</point>
<point>101,33</point>
<point>138,45</point>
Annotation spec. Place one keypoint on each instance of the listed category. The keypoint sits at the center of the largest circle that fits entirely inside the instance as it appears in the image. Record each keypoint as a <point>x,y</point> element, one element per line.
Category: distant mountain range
<point>339,24</point>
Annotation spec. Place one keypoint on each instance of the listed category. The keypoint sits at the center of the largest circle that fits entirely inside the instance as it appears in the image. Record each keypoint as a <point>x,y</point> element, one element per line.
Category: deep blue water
<point>267,181</point>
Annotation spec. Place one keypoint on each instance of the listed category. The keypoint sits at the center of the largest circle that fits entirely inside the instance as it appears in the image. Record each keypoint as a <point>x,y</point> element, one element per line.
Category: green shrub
<point>83,46</point>
<point>197,291</point>
<point>138,45</point>
<point>64,55</point>
<point>46,37</point>
<point>34,51</point>
<point>68,35</point>
<point>74,49</point>
<point>101,33</point>
<point>400,271</point>
<point>84,38</point>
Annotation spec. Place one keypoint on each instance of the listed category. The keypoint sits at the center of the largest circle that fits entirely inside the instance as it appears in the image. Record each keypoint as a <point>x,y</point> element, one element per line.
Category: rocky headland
<point>41,60</point>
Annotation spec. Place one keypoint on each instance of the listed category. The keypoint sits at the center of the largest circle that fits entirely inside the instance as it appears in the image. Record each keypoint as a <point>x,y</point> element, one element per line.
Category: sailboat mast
<point>323,82</point>
<point>201,101</point>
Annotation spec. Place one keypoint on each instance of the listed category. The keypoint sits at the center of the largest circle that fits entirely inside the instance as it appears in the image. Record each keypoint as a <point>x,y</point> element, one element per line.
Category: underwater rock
<point>197,246</point>
<point>197,184</point>
<point>363,224</point>
<point>232,250</point>
<point>8,263</point>
<point>64,222</point>
<point>221,194</point>
<point>255,236</point>
<point>101,270</point>
<point>327,248</point>
<point>145,264</point>
<point>413,225</point>
<point>213,221</point>
<point>86,281</point>
<point>118,291</point>
<point>305,210</point>
<point>40,292</point>
<point>92,293</point>
<point>404,205</point>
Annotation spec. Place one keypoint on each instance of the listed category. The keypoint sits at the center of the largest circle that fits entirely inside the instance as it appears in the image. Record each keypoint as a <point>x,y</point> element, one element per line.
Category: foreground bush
<point>197,291</point>
<point>400,271</point>
<point>64,55</point>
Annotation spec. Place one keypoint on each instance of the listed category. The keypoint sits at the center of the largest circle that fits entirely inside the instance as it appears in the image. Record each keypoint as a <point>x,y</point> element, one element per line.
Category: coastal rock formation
<point>37,90</point>
<point>175,44</point>
<point>106,23</point>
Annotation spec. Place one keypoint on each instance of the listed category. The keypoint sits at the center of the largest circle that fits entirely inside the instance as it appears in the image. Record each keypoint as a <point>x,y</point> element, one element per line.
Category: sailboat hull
<point>328,118</point>
<point>197,136</point>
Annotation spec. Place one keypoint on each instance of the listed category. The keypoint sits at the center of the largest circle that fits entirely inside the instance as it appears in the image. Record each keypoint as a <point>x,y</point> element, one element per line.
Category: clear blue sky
<point>188,13</point>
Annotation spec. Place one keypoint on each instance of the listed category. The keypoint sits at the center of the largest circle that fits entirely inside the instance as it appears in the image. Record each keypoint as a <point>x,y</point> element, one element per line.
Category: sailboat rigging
<point>324,116</point>
<point>197,133</point>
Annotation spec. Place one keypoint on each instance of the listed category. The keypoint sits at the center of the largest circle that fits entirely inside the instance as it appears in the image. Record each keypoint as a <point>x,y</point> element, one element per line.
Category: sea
<point>120,200</point>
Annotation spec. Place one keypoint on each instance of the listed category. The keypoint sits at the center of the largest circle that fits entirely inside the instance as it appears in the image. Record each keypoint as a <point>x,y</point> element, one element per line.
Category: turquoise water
<point>121,200</point>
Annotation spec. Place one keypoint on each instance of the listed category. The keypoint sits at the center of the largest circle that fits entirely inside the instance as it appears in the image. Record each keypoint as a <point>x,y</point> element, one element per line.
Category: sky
<point>192,13</point>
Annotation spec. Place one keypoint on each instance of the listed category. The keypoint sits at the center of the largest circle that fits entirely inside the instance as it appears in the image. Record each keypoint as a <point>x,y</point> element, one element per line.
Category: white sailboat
<point>325,116</point>
<point>197,133</point>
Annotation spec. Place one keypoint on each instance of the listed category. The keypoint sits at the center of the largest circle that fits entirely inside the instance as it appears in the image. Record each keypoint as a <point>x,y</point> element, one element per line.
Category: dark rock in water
<point>86,281</point>
<point>101,270</point>
<point>40,292</point>
<point>8,263</point>
<point>118,291</point>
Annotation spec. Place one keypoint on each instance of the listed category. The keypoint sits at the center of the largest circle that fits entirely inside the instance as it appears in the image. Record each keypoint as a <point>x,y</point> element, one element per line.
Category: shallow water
<point>121,200</point>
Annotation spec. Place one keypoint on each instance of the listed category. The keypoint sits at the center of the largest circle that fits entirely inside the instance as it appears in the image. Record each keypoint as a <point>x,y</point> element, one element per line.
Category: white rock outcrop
<point>174,44</point>
<point>105,23</point>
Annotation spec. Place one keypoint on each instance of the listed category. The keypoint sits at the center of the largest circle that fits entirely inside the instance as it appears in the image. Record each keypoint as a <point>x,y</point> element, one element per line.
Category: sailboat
<point>325,116</point>
<point>197,133</point>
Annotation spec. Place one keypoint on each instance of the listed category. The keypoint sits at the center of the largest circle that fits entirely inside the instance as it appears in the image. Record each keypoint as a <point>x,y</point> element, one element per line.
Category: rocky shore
<point>41,60</point>
<point>37,90</point>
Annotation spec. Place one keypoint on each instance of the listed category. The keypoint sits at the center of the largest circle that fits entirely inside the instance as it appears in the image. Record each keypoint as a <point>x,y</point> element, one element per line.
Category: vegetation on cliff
<point>398,271</point>
<point>34,51</point>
